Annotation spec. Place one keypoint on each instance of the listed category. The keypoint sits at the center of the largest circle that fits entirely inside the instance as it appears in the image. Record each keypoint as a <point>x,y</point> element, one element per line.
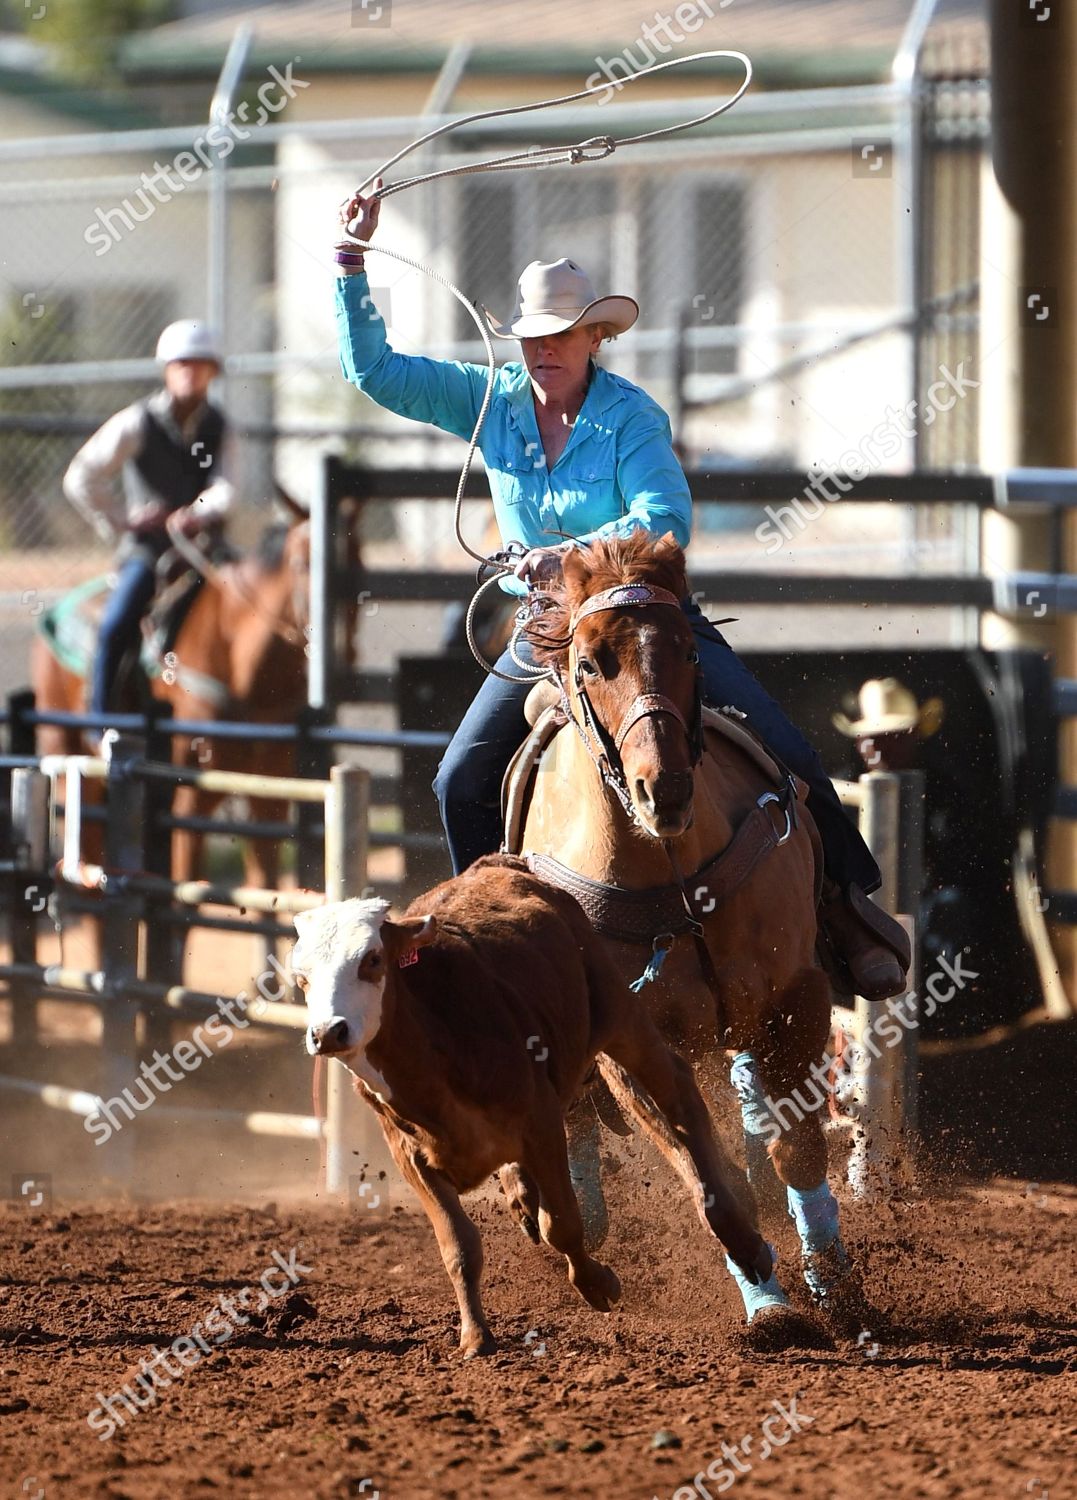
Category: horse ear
<point>668,550</point>
<point>292,506</point>
<point>575,572</point>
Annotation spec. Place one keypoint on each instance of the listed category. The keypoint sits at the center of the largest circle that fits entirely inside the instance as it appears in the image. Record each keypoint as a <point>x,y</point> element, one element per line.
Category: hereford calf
<point>471,1025</point>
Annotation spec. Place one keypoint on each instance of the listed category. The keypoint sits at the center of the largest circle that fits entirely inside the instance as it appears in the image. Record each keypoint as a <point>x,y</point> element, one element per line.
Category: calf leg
<point>458,1239</point>
<point>545,1159</point>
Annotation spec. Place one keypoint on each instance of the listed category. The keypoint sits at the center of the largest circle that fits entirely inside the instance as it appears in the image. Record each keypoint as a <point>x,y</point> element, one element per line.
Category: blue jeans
<point>468,781</point>
<point>119,628</point>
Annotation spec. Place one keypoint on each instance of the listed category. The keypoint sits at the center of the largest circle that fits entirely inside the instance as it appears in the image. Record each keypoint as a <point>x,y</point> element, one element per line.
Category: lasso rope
<point>595,148</point>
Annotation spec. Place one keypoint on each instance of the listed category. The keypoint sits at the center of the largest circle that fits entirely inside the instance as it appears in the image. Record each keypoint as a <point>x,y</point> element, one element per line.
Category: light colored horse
<point>635,792</point>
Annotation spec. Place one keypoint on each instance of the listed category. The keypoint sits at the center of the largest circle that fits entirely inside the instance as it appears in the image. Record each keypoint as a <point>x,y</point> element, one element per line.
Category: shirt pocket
<point>515,475</point>
<point>590,486</point>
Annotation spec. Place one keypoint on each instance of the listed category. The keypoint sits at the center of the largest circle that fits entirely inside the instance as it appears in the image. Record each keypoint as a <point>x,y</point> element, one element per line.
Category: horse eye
<point>588,668</point>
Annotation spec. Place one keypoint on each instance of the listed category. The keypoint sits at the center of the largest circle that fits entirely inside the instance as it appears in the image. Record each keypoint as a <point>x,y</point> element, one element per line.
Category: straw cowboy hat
<point>888,707</point>
<point>556,294</point>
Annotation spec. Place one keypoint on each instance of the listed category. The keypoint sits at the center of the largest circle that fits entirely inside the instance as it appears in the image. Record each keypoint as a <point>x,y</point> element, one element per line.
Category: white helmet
<point>187,339</point>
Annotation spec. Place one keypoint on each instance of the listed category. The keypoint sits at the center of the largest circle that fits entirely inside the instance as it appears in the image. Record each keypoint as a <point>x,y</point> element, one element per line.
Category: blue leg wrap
<point>754,1110</point>
<point>769,1294</point>
<point>758,1122</point>
<point>585,1171</point>
<point>815,1213</point>
<point>826,1262</point>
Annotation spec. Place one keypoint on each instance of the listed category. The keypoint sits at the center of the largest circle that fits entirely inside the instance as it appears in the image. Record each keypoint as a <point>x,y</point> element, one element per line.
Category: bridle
<point>603,746</point>
<point>228,580</point>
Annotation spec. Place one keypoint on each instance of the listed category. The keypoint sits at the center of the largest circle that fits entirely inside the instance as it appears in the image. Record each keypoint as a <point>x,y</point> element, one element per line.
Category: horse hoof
<point>780,1327</point>
<point>837,1291</point>
<point>599,1286</point>
<point>480,1342</point>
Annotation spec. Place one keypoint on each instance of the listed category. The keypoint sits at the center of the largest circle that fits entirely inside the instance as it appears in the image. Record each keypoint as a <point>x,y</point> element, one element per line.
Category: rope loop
<point>595,148</point>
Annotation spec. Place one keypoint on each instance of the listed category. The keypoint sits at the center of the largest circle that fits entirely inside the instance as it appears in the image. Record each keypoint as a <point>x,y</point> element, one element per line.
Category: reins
<point>189,550</point>
<point>726,871</point>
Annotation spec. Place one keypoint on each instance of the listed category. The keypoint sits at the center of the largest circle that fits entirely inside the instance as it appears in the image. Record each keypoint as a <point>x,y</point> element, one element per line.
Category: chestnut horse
<point>635,795</point>
<point>240,653</point>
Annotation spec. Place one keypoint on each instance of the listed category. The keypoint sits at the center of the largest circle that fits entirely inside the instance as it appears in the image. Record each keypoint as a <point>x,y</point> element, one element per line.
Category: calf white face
<point>341,962</point>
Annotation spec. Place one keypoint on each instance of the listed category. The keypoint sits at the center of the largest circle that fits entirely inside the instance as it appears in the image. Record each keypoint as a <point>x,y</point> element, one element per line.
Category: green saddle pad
<point>70,627</point>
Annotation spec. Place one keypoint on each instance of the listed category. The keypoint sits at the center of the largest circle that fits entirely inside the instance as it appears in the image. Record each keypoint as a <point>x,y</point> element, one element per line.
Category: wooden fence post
<point>881,1068</point>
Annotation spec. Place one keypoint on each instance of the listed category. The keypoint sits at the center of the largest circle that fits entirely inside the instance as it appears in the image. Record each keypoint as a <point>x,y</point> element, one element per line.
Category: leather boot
<point>864,948</point>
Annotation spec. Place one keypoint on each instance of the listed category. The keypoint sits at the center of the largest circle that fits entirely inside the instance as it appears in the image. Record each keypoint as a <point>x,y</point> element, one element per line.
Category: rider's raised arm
<point>90,480</point>
<point>655,493</point>
<point>445,393</point>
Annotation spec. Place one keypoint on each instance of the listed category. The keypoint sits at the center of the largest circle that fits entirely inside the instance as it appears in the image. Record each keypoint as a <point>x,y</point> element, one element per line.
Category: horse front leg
<point>585,1171</point>
<point>787,1089</point>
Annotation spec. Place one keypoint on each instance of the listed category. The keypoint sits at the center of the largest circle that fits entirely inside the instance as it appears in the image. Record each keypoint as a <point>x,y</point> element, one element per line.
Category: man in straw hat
<point>575,452</point>
<point>892,724</point>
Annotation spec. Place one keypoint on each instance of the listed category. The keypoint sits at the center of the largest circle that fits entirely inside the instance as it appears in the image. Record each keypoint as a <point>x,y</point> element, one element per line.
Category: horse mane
<point>636,558</point>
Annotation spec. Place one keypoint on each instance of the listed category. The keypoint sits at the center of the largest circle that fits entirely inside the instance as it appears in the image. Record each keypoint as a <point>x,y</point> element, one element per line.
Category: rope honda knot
<point>596,149</point>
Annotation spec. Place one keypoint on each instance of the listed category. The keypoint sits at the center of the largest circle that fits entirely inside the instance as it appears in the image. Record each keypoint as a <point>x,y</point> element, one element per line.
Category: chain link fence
<point>771,259</point>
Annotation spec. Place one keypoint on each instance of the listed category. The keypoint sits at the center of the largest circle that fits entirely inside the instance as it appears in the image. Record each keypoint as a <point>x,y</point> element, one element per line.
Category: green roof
<point>104,110</point>
<point>147,56</point>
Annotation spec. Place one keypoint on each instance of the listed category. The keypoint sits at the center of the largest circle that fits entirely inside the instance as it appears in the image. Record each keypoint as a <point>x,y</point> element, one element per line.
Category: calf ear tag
<point>407,959</point>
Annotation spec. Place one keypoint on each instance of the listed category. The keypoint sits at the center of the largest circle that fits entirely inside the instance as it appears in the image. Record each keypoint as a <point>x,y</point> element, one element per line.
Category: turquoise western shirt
<point>618,471</point>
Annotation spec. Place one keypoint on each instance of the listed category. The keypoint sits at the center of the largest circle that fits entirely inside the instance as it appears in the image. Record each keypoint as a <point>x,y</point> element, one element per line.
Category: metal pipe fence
<point>132,901</point>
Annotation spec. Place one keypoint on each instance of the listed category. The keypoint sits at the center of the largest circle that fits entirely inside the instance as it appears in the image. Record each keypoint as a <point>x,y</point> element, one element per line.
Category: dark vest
<point>176,471</point>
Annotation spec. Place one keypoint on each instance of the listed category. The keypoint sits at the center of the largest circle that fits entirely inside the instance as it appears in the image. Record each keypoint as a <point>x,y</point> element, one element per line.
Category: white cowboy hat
<point>888,707</point>
<point>556,294</point>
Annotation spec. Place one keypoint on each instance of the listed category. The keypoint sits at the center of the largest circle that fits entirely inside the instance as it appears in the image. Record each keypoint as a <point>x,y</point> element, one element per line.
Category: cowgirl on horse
<point>576,452</point>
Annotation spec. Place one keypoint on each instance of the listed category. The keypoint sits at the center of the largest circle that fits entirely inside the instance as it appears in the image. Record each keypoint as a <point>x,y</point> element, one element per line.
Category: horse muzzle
<point>664,803</point>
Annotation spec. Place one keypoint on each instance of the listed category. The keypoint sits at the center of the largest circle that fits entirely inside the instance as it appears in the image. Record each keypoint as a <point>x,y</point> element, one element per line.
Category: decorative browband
<point>623,596</point>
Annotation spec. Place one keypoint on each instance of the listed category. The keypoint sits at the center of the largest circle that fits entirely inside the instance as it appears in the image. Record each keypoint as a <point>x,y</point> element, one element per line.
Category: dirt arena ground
<point>348,1383</point>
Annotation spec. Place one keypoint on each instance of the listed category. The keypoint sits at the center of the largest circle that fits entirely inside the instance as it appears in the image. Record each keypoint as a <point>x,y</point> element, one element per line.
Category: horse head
<point>292,549</point>
<point>618,639</point>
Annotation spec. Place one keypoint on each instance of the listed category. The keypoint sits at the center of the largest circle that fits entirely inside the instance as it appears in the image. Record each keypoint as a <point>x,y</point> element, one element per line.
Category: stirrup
<point>850,927</point>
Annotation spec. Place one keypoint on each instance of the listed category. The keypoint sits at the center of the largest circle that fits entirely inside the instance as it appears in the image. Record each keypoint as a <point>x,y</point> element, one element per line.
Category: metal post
<point>220,111</point>
<point>20,735</point>
<point>875,1143</point>
<point>28,892</point>
<point>312,759</point>
<point>909,188</point>
<point>320,645</point>
<point>347,811</point>
<point>164,944</point>
<point>119,945</point>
